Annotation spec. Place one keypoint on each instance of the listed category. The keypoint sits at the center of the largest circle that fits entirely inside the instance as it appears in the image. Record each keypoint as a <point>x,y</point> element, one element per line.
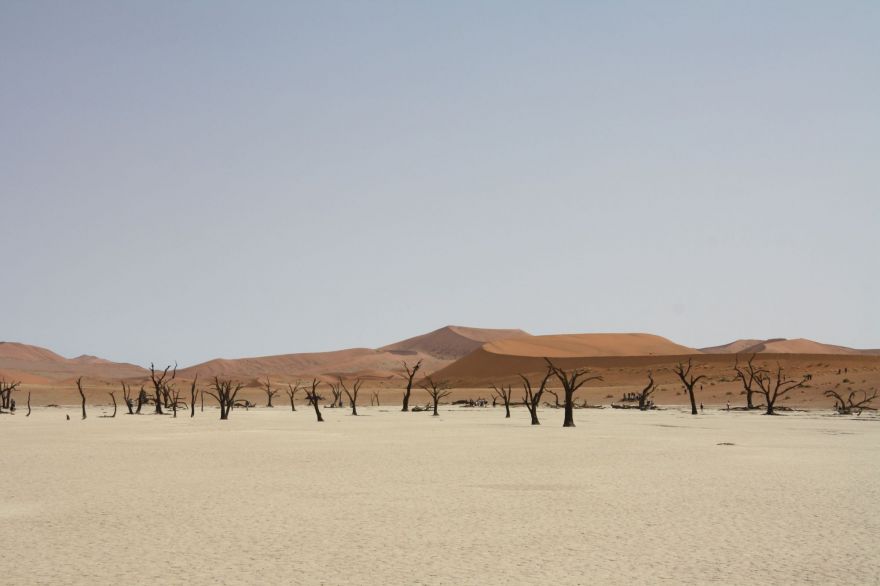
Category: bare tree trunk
<point>192,397</point>
<point>571,382</point>
<point>112,396</point>
<point>689,381</point>
<point>410,375</point>
<point>314,399</point>
<point>29,405</point>
<point>82,395</point>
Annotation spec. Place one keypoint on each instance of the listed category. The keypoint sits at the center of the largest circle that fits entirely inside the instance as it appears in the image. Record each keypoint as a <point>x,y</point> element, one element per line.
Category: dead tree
<point>142,399</point>
<point>846,407</point>
<point>374,396</point>
<point>747,376</point>
<point>126,396</point>
<point>437,391</point>
<point>556,403</point>
<point>112,396</point>
<point>409,376</point>
<point>571,381</point>
<point>82,395</point>
<point>531,399</point>
<point>504,395</point>
<point>689,381</point>
<point>6,390</point>
<point>646,393</point>
<point>29,405</point>
<point>314,398</point>
<point>336,390</point>
<point>202,400</point>
<point>224,392</point>
<point>192,397</point>
<point>776,387</point>
<point>270,392</point>
<point>161,382</point>
<point>291,393</point>
<point>352,394</point>
<point>175,401</point>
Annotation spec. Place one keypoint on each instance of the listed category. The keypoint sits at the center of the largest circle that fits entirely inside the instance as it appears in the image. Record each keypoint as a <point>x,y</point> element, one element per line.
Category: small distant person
<point>12,405</point>
<point>728,405</point>
<point>68,417</point>
<point>701,407</point>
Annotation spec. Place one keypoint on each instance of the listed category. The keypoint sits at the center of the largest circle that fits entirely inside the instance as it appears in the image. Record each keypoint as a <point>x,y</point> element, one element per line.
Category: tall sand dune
<point>783,346</point>
<point>452,342</point>
<point>34,363</point>
<point>579,345</point>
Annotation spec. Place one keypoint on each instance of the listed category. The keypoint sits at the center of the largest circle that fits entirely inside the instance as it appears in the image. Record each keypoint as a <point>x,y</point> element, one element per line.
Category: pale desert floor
<point>271,496</point>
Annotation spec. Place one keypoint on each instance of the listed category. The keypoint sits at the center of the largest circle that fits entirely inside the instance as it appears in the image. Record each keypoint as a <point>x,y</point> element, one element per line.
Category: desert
<point>439,293</point>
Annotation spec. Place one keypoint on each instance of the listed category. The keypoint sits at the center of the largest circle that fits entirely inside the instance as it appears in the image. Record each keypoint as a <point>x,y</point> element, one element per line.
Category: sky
<point>190,180</point>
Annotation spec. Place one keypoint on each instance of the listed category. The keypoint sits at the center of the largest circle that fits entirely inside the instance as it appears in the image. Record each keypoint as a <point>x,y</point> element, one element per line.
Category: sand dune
<point>735,347</point>
<point>32,363</point>
<point>435,349</point>
<point>783,346</point>
<point>354,361</point>
<point>578,345</point>
<point>14,351</point>
<point>452,342</point>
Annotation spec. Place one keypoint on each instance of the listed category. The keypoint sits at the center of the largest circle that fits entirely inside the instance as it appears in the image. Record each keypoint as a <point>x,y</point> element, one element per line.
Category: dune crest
<point>588,345</point>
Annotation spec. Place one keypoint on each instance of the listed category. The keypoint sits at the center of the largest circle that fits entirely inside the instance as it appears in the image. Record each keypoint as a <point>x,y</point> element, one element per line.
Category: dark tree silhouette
<point>646,393</point>
<point>142,399</point>
<point>161,383</point>
<point>352,394</point>
<point>850,404</point>
<point>29,405</point>
<point>689,381</point>
<point>175,401</point>
<point>270,392</point>
<point>531,399</point>
<point>336,391</point>
<point>126,396</point>
<point>112,396</point>
<point>314,399</point>
<point>192,397</point>
<point>556,403</point>
<point>571,381</point>
<point>504,395</point>
<point>82,395</point>
<point>224,392</point>
<point>6,390</point>
<point>437,391</point>
<point>773,388</point>
<point>409,376</point>
<point>747,376</point>
<point>291,393</point>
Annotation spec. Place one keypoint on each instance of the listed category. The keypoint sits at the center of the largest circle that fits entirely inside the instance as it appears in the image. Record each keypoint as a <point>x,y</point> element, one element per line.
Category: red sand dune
<point>783,346</point>
<point>579,345</point>
<point>37,365</point>
<point>452,342</point>
<point>435,349</point>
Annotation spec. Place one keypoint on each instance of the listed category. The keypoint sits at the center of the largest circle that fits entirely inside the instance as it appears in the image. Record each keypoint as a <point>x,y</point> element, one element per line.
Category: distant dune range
<point>474,358</point>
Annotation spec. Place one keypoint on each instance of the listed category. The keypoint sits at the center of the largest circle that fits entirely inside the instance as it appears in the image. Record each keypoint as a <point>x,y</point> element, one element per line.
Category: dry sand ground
<point>271,496</point>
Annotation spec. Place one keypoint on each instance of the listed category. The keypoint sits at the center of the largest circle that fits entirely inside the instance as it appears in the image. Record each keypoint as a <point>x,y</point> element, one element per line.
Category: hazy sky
<point>187,180</point>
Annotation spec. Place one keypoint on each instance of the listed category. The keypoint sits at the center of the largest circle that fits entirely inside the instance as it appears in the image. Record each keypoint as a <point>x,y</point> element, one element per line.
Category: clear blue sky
<point>187,180</point>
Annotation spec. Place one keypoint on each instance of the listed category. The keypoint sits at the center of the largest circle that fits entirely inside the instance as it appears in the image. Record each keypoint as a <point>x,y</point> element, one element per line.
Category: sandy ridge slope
<point>784,346</point>
<point>453,342</point>
<point>435,349</point>
<point>38,365</point>
<point>580,345</point>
